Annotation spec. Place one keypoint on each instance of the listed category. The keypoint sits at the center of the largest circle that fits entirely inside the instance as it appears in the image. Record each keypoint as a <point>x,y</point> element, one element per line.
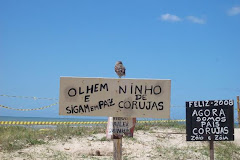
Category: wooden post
<point>117,145</point>
<point>117,149</point>
<point>211,150</point>
<point>238,109</point>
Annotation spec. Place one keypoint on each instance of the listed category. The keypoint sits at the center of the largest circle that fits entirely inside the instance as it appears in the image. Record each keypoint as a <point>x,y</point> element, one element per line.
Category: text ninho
<point>141,89</point>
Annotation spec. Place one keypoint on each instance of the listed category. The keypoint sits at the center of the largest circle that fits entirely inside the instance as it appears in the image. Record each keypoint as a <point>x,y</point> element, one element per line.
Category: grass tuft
<point>168,124</point>
<point>17,137</point>
<point>227,151</point>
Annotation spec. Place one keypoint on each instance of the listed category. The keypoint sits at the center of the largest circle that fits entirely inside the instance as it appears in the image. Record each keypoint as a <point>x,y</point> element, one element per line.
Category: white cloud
<point>234,11</point>
<point>170,17</point>
<point>196,20</point>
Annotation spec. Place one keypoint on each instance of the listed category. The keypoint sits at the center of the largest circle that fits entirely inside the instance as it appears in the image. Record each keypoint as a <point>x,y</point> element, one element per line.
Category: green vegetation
<point>168,124</point>
<point>227,151</point>
<point>17,137</point>
<point>131,138</point>
<point>175,152</point>
<point>14,138</point>
<point>104,139</point>
<point>222,151</point>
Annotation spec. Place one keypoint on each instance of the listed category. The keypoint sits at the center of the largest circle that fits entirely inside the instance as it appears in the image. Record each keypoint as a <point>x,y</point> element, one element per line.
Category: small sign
<point>119,126</point>
<point>210,120</point>
<point>114,97</point>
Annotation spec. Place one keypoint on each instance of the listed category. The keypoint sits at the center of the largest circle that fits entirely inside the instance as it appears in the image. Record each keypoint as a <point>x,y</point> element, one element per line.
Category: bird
<point>119,69</point>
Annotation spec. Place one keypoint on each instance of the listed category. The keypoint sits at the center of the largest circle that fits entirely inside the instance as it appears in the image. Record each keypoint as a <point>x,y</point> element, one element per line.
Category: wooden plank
<point>211,144</point>
<point>114,97</point>
<point>117,149</point>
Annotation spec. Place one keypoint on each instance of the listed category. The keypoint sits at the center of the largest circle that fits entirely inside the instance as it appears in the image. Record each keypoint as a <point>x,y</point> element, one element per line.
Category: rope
<point>33,109</point>
<point>35,98</point>
<point>40,108</point>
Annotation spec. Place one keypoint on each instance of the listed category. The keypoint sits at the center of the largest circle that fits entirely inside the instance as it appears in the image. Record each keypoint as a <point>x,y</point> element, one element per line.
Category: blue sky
<point>196,44</point>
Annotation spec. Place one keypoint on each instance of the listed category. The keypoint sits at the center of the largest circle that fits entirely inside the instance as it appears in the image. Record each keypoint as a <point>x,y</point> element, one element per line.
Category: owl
<point>119,69</point>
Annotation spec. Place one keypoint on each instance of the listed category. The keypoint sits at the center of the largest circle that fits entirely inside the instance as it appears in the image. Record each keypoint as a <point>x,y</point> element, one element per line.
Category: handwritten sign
<point>114,97</point>
<point>210,120</point>
<point>120,125</point>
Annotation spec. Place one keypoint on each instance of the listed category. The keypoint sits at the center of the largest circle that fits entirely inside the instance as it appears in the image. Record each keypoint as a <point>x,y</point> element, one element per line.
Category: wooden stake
<point>238,108</point>
<point>211,150</point>
<point>117,149</point>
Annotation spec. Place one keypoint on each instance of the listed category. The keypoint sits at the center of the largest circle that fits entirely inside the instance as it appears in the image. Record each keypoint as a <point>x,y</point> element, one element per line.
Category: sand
<point>154,144</point>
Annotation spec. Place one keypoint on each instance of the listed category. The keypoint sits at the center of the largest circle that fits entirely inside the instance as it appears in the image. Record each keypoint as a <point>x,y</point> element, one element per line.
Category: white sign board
<point>120,125</point>
<point>114,97</point>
